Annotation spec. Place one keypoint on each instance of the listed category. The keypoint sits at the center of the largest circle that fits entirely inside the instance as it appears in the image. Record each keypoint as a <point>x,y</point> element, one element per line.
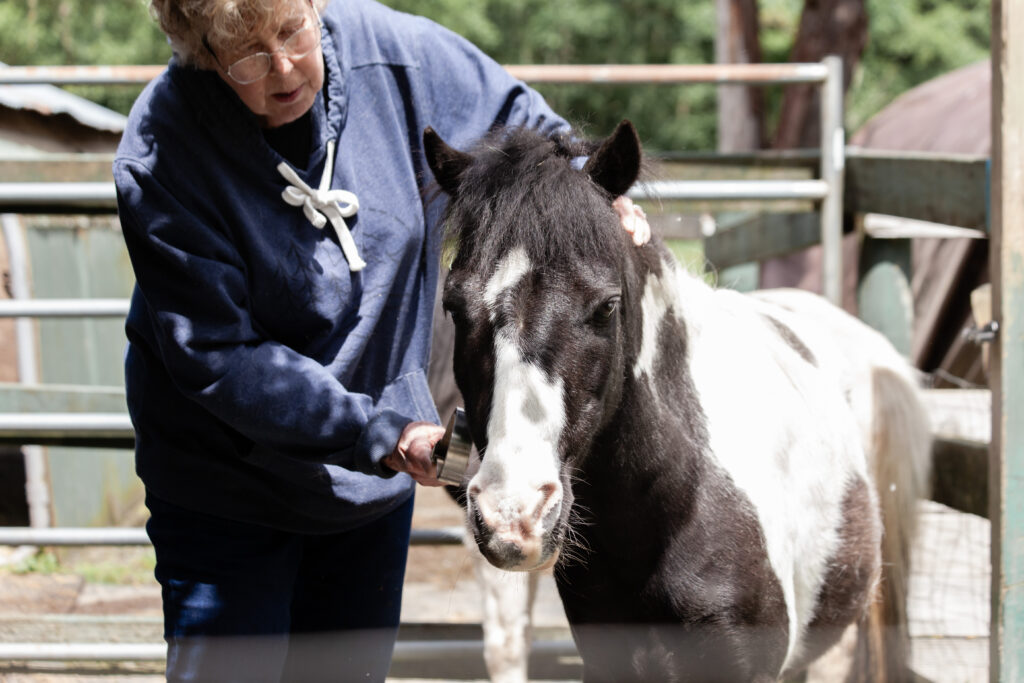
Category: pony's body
<point>697,462</point>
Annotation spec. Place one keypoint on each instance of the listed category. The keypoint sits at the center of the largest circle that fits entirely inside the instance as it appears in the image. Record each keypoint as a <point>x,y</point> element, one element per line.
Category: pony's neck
<point>658,437</point>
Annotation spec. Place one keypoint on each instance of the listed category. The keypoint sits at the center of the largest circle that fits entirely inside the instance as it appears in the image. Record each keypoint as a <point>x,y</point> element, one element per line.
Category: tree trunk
<point>827,27</point>
<point>740,108</point>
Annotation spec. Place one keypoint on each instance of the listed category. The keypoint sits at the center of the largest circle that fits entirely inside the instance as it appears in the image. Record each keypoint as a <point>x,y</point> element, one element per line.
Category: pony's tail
<point>901,460</point>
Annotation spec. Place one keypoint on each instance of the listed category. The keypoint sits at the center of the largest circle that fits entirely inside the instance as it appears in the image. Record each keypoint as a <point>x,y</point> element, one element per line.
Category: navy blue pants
<point>248,603</point>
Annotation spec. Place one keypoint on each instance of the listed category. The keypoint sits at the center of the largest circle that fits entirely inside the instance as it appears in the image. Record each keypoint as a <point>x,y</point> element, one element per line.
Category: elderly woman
<point>271,193</point>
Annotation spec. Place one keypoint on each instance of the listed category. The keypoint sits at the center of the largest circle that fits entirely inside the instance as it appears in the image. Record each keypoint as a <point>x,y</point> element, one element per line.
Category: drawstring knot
<point>324,205</point>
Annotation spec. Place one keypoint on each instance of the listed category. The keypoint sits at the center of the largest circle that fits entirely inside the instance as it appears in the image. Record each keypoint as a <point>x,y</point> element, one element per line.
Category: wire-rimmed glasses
<point>255,66</point>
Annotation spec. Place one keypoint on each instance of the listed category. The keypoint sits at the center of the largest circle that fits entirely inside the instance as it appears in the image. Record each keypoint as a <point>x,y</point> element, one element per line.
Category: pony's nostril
<point>549,497</point>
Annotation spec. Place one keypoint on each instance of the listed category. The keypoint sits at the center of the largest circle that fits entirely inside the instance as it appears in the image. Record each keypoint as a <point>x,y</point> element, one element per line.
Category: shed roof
<point>50,100</point>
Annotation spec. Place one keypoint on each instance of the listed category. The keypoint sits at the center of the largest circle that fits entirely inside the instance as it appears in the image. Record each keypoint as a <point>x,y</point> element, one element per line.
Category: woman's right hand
<point>412,453</point>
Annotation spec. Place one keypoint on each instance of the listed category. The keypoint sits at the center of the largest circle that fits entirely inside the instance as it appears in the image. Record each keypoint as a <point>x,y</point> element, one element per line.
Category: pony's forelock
<point>524,189</point>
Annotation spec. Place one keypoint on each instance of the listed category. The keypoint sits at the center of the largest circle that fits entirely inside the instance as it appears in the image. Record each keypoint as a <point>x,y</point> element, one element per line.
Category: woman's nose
<point>280,63</point>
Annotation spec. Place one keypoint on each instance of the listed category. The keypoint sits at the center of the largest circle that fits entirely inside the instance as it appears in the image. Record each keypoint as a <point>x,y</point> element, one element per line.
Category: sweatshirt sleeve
<point>471,93</point>
<point>194,284</point>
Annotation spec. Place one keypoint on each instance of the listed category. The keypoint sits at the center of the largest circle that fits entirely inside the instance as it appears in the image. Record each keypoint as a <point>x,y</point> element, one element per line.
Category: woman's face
<point>289,89</point>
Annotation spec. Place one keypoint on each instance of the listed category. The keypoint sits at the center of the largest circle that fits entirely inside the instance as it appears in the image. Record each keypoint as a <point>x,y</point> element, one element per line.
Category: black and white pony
<point>708,472</point>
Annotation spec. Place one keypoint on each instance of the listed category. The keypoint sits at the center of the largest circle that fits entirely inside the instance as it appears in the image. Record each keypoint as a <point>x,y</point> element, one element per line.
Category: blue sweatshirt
<point>265,378</point>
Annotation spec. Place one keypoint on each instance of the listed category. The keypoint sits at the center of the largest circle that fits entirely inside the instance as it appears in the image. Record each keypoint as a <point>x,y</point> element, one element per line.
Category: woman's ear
<point>615,165</point>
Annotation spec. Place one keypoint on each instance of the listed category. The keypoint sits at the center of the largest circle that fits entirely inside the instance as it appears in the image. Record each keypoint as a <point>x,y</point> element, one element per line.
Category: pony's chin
<point>546,564</point>
<point>517,561</point>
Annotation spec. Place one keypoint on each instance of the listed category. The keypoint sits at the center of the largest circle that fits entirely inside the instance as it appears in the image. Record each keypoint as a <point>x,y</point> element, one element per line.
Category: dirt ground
<point>109,595</point>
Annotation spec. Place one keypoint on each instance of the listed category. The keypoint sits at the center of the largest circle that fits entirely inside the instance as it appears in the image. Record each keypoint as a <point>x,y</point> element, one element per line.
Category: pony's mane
<point>522,189</point>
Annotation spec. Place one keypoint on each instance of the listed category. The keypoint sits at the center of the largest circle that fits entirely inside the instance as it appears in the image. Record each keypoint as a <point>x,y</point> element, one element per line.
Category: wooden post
<point>884,297</point>
<point>1006,467</point>
<point>833,141</point>
<point>739,121</point>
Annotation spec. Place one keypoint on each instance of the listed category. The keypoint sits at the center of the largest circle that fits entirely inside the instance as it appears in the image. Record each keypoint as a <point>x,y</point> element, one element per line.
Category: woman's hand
<point>633,220</point>
<point>413,451</point>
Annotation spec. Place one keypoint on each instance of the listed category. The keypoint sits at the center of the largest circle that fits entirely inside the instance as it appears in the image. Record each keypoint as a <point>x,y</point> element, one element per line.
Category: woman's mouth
<point>287,97</point>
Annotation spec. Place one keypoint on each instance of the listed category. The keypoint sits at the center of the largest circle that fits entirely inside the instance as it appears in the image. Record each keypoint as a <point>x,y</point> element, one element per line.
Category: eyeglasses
<point>254,67</point>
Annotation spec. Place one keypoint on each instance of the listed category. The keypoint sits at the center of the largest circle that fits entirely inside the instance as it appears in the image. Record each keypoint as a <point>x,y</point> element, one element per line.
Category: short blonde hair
<point>191,25</point>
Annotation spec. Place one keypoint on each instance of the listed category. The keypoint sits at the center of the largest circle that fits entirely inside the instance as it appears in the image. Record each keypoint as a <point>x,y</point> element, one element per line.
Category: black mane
<point>523,188</point>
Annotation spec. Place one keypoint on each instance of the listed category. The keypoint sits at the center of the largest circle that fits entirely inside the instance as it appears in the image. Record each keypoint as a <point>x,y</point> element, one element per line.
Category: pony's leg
<point>507,617</point>
<point>836,663</point>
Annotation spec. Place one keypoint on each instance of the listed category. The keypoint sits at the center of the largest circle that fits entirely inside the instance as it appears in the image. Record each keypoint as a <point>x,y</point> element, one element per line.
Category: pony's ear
<point>446,163</point>
<point>615,165</point>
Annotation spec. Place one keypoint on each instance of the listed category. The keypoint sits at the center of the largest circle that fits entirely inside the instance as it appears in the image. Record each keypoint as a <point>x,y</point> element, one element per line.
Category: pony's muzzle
<point>513,527</point>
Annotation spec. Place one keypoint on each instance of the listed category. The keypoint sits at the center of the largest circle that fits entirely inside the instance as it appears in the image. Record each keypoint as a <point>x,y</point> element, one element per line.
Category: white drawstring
<point>324,204</point>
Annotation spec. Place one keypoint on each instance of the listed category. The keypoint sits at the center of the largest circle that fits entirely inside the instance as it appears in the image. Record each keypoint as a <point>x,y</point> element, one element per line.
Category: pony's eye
<point>456,313</point>
<point>606,310</point>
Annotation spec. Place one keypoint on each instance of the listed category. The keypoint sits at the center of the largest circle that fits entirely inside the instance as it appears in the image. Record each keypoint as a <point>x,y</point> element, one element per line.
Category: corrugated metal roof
<point>50,100</point>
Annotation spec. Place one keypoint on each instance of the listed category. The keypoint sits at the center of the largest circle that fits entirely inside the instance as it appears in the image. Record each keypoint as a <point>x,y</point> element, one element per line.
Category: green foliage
<point>600,32</point>
<point>59,32</point>
<point>43,562</point>
<point>910,42</point>
<point>94,565</point>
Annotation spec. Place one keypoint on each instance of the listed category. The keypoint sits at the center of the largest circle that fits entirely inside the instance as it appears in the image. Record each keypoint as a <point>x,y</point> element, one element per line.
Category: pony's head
<point>539,291</point>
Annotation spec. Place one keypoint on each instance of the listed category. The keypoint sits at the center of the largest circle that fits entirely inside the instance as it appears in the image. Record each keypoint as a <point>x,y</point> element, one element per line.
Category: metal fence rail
<point>136,536</point>
<point>405,651</point>
<point>723,74</point>
<point>42,197</point>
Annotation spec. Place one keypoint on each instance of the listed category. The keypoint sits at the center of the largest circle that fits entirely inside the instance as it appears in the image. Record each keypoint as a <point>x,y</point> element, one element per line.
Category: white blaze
<point>518,479</point>
<point>508,273</point>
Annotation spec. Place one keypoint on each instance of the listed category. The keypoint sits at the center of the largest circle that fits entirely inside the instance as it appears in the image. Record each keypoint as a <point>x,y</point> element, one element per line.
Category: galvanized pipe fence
<point>116,429</point>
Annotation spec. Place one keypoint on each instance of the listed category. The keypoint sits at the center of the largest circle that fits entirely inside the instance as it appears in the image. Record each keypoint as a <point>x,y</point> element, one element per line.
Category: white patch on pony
<point>799,446</point>
<point>518,481</point>
<point>509,272</point>
<point>657,299</point>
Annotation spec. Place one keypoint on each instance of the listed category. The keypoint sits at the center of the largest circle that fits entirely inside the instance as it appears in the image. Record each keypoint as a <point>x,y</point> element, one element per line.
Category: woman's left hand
<point>633,220</point>
<point>412,453</point>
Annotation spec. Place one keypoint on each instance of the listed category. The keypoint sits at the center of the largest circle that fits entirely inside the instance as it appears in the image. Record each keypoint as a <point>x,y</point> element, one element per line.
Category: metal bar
<point>73,536</point>
<point>441,650</point>
<point>769,190</point>
<point>63,308</point>
<point>405,651</point>
<point>80,75</point>
<point>131,536</point>
<point>68,424</point>
<point>832,168</point>
<point>84,652</point>
<point>765,74</point>
<point>102,195</point>
<point>37,488</point>
<point>93,195</point>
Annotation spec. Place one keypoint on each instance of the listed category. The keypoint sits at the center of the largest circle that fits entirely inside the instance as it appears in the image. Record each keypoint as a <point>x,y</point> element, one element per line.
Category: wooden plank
<point>945,189</point>
<point>676,226</point>
<point>960,475</point>
<point>761,236</point>
<point>1007,353</point>
<point>57,168</point>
